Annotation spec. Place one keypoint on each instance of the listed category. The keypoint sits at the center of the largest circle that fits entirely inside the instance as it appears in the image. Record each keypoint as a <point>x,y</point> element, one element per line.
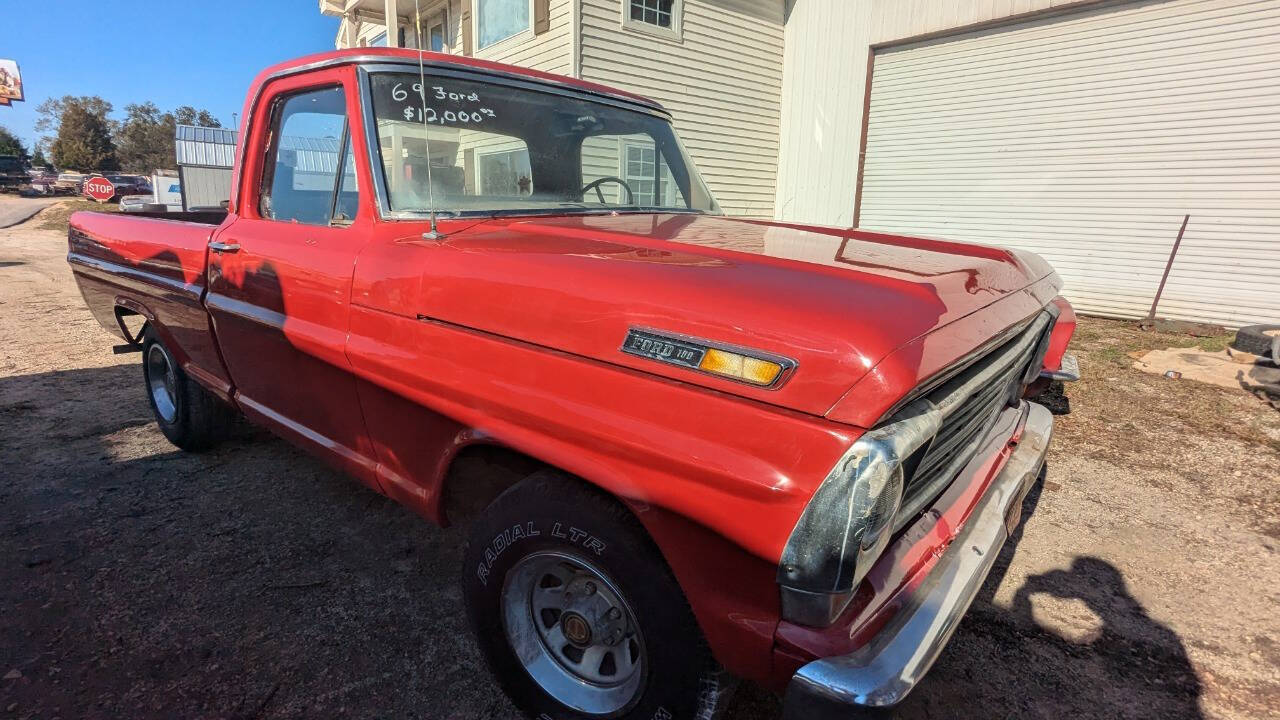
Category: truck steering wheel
<point>631,196</point>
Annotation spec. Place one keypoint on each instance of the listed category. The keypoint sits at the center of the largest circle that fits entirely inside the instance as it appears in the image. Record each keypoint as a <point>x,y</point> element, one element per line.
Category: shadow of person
<point>1004,663</point>
<point>1140,666</point>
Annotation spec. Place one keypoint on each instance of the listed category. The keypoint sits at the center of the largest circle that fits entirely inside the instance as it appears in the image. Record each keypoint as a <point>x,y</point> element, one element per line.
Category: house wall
<point>824,87</point>
<point>551,51</point>
<point>721,80</point>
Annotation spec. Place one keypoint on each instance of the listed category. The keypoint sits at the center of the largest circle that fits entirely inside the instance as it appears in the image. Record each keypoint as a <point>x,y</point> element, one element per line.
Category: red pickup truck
<point>715,448</point>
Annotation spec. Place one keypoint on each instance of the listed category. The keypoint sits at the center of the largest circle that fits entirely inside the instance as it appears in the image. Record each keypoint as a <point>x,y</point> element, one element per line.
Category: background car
<point>70,182</point>
<point>12,173</point>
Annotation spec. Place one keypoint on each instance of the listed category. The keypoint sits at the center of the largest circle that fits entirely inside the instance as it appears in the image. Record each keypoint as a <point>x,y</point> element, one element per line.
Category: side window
<point>309,175</point>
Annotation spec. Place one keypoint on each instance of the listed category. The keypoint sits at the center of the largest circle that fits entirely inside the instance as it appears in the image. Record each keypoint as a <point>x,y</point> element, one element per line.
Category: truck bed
<point>202,217</point>
<point>151,265</point>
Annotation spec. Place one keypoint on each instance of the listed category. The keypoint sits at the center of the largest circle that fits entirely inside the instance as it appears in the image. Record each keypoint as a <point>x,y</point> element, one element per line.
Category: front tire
<point>577,614</point>
<point>188,415</point>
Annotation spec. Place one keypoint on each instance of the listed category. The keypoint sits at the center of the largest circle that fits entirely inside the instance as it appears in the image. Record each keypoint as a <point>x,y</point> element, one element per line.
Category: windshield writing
<point>469,146</point>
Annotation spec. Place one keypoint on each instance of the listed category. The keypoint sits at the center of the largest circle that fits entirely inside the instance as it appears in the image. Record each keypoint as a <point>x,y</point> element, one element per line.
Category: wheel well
<point>140,320</point>
<point>478,474</point>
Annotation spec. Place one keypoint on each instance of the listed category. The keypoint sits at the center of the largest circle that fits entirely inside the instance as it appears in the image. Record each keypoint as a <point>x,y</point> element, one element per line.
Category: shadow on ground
<point>252,581</point>
<point>1005,662</point>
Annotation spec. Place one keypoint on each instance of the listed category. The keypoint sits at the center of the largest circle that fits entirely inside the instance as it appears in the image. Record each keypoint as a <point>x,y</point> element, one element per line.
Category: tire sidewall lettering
<point>519,533</point>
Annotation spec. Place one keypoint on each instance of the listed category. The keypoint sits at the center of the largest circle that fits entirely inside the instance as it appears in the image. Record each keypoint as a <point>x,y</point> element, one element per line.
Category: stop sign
<point>99,188</point>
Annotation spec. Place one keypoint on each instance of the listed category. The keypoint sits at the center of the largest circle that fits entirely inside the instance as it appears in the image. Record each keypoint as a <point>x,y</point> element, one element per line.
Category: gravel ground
<point>138,581</point>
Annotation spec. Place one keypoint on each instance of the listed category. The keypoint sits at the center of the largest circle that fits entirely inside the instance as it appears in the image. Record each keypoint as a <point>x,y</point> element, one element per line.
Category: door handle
<point>221,247</point>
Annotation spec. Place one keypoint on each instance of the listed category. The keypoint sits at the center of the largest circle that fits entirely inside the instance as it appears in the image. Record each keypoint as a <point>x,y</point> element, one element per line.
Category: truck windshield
<point>500,149</point>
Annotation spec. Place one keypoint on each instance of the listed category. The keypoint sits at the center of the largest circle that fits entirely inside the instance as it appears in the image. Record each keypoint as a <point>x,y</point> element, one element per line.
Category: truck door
<point>280,274</point>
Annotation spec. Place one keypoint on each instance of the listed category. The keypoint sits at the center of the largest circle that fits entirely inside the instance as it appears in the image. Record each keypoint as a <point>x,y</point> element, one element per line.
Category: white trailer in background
<point>166,189</point>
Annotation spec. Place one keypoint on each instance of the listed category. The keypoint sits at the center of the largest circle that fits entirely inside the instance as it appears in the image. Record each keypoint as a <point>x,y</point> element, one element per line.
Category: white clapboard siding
<point>1086,137</point>
<point>722,82</point>
<point>824,86</point>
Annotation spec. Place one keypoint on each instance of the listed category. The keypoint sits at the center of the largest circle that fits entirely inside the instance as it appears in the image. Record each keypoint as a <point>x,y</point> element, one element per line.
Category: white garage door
<point>1086,137</point>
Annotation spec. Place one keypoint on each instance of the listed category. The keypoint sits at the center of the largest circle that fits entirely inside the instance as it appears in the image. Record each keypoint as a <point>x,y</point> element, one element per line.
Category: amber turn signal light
<point>740,367</point>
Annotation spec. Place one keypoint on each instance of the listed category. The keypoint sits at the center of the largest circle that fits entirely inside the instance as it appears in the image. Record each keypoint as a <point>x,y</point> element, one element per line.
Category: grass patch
<point>1116,344</point>
<point>1113,398</point>
<point>58,217</point>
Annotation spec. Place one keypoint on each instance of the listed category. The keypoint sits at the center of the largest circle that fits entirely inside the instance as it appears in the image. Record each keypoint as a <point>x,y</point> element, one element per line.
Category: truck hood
<point>837,302</point>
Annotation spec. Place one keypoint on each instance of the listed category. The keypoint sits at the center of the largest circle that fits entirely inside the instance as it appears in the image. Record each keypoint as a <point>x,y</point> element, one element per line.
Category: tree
<point>51,111</point>
<point>144,141</point>
<point>37,158</point>
<point>187,115</point>
<point>84,140</point>
<point>11,144</point>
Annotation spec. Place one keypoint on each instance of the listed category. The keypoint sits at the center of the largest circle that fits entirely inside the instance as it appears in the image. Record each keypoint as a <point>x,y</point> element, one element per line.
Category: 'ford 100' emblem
<point>665,349</point>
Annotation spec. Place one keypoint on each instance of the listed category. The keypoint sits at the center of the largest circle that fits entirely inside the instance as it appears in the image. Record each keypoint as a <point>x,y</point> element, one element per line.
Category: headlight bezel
<point>834,543</point>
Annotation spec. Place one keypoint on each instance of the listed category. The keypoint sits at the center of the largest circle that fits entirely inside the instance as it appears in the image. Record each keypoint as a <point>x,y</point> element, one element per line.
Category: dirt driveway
<point>137,581</point>
<point>14,209</point>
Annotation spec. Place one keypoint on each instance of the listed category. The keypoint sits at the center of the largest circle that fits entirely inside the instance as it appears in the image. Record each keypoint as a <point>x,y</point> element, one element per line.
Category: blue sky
<point>171,52</point>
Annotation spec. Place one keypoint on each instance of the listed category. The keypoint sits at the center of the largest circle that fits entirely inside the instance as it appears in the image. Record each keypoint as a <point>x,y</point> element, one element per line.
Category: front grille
<point>970,402</point>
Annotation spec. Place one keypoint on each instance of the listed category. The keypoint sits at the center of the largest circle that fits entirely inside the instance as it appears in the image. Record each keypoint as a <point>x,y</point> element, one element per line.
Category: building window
<point>648,175</point>
<point>656,17</point>
<point>640,171</point>
<point>653,12</point>
<point>497,20</point>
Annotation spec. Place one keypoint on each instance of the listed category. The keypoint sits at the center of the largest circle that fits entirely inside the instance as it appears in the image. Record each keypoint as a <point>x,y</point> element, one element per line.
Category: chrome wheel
<point>162,382</point>
<point>573,632</point>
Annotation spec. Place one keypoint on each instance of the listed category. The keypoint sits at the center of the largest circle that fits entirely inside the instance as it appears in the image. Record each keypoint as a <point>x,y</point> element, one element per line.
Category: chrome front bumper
<point>880,674</point>
<point>1068,371</point>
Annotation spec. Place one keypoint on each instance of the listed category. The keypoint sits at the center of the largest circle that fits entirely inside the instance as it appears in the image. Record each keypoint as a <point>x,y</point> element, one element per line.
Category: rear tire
<point>578,615</point>
<point>188,415</point>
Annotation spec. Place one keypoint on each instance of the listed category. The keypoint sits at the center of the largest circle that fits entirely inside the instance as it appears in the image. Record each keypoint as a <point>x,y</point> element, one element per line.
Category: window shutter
<point>464,18</point>
<point>541,16</point>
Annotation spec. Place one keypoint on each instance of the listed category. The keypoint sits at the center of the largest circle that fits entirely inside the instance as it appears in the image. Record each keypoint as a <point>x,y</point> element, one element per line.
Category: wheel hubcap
<point>573,632</point>
<point>162,383</point>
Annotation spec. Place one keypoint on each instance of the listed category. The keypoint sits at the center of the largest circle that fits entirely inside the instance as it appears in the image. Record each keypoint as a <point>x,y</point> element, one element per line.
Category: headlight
<point>846,525</point>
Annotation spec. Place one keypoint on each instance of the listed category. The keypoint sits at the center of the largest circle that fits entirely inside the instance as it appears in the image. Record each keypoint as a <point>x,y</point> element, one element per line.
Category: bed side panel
<point>155,268</point>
